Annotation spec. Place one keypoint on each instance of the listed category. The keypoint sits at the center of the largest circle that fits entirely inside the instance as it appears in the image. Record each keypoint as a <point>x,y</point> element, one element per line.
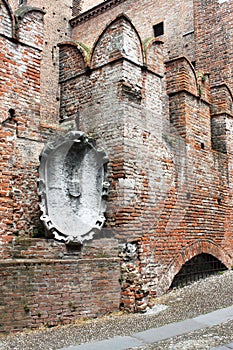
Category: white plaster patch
<point>221,1</point>
<point>156,309</point>
<point>129,183</point>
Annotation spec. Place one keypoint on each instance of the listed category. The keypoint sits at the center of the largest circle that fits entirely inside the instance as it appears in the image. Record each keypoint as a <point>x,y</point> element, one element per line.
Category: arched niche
<point>221,99</point>
<point>30,20</point>
<point>154,56</point>
<point>6,18</point>
<point>119,40</point>
<point>71,60</point>
<point>181,76</point>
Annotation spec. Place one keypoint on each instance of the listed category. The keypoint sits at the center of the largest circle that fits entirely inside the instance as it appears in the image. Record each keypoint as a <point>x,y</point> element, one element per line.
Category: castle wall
<point>115,107</point>
<point>26,261</point>
<point>214,39</point>
<point>214,53</point>
<point>176,15</point>
<point>166,128</point>
<point>169,188</point>
<point>84,5</point>
<point>56,29</point>
<point>38,293</point>
<point>19,113</point>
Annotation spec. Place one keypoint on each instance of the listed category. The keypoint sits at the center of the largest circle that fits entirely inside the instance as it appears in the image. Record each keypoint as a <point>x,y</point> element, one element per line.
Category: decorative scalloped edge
<point>51,229</point>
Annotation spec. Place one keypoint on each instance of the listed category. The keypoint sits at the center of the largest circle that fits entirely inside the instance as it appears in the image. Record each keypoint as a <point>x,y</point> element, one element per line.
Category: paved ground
<point>141,340</point>
<point>134,331</point>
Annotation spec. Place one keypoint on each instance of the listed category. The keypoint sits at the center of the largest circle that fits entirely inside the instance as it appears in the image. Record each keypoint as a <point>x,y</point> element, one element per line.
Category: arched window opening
<point>199,267</point>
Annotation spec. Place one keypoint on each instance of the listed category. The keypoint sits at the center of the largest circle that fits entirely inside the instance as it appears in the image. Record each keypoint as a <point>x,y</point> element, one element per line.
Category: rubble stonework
<point>134,292</point>
<point>161,111</point>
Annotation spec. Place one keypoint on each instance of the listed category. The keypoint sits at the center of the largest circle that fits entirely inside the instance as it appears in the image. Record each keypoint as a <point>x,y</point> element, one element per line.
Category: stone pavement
<point>154,335</point>
<point>224,347</point>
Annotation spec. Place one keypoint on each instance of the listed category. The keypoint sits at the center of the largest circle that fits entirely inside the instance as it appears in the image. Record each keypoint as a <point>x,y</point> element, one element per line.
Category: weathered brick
<point>164,122</point>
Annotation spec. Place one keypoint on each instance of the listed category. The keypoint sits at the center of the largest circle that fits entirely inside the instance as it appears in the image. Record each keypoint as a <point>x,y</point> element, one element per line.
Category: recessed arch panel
<point>71,60</point>
<point>6,18</point>
<point>119,39</point>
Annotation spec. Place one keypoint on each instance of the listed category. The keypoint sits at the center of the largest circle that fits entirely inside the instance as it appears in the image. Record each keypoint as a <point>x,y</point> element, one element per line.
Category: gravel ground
<point>199,298</point>
<point>202,339</point>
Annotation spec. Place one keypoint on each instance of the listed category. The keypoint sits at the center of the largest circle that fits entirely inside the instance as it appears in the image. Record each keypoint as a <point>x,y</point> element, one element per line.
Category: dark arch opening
<point>199,267</point>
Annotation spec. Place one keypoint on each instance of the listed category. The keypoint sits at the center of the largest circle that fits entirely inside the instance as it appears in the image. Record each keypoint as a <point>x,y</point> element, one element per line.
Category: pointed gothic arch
<point>119,39</point>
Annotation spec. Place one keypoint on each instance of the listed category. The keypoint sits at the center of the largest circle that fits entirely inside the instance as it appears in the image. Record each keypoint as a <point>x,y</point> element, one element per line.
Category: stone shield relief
<point>73,188</point>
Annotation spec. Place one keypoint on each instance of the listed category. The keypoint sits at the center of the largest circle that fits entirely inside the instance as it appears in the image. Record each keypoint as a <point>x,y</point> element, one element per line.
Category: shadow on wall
<point>199,267</point>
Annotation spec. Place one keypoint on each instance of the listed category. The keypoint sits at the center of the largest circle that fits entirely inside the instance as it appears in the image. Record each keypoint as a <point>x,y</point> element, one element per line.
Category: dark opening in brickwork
<point>76,8</point>
<point>158,29</point>
<point>201,266</point>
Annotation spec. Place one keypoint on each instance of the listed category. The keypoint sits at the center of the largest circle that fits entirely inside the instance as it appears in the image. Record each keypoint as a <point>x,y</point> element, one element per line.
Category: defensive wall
<point>167,130</point>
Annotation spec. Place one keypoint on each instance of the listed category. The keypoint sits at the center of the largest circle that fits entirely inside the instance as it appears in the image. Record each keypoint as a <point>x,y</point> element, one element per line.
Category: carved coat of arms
<point>73,187</point>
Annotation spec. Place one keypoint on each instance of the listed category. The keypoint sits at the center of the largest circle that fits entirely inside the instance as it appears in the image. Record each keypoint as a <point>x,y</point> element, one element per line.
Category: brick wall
<point>214,38</point>
<point>56,29</point>
<point>19,113</point>
<point>131,104</point>
<point>169,188</point>
<point>76,7</point>
<point>168,136</point>
<point>88,4</point>
<point>6,203</point>
<point>176,15</point>
<point>74,288</point>
<point>214,53</point>
<point>50,292</point>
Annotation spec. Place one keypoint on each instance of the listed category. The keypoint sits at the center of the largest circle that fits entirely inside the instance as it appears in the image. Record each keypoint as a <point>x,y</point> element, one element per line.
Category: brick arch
<point>8,24</point>
<point>154,55</point>
<point>72,60</point>
<point>23,11</point>
<point>189,252</point>
<point>7,5</point>
<point>221,99</point>
<point>28,20</point>
<point>229,97</point>
<point>110,45</point>
<point>230,92</point>
<point>181,76</point>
